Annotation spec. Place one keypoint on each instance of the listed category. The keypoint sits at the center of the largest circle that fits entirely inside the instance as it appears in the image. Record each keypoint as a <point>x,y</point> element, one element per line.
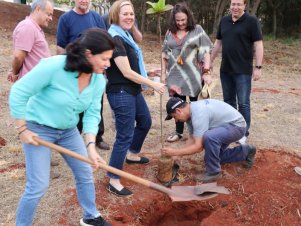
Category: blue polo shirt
<point>71,25</point>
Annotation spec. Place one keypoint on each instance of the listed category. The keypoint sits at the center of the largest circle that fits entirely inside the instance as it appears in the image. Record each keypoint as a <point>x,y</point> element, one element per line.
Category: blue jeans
<point>38,160</point>
<point>216,142</point>
<point>132,121</point>
<point>237,92</point>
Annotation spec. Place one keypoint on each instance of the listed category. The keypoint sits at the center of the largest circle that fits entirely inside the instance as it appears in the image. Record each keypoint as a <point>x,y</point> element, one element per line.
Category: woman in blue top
<point>126,75</point>
<point>46,103</point>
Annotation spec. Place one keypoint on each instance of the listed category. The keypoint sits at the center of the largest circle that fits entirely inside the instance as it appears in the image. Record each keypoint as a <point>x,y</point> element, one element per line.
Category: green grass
<point>283,40</point>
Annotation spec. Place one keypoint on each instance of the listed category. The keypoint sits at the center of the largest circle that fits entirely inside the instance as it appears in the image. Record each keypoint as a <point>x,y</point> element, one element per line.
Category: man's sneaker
<point>242,140</point>
<point>209,177</point>
<point>99,221</point>
<point>251,156</point>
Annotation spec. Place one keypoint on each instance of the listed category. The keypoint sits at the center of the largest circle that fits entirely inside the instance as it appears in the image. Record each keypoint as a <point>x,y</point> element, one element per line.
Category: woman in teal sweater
<point>46,103</point>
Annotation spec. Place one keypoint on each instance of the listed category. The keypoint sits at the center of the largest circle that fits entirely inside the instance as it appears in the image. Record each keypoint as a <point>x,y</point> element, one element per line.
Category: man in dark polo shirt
<point>239,34</point>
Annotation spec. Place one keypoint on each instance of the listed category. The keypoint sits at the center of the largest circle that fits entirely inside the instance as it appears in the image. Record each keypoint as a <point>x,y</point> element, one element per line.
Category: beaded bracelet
<point>91,142</point>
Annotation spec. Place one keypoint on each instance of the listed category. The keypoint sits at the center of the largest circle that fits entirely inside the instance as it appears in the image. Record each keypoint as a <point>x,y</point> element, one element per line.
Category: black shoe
<point>142,160</point>
<point>103,145</point>
<point>122,193</point>
<point>250,157</point>
<point>99,221</point>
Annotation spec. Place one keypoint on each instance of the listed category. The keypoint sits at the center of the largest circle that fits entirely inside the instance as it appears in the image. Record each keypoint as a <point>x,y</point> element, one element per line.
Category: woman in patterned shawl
<point>186,57</point>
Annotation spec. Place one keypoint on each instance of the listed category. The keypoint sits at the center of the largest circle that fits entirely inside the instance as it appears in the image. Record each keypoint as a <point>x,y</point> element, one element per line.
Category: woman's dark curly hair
<point>96,40</point>
<point>181,8</point>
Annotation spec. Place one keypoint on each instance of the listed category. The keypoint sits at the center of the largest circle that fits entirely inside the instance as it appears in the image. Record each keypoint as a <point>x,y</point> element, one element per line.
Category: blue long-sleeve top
<point>50,96</point>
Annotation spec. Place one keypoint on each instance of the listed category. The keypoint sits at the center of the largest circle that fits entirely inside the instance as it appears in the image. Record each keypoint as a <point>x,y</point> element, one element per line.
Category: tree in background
<point>277,17</point>
<point>281,18</point>
<point>20,1</point>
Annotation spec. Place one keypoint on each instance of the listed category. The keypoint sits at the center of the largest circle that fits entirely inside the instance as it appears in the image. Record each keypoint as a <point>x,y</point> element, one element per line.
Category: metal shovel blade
<point>298,170</point>
<point>209,188</point>
<point>187,193</point>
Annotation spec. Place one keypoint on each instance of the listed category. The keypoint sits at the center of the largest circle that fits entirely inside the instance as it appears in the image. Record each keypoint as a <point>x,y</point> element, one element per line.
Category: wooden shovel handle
<point>111,169</point>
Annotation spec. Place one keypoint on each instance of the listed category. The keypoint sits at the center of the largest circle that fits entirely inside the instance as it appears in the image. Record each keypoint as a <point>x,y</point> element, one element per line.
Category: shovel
<point>298,170</point>
<point>176,193</point>
<point>210,188</point>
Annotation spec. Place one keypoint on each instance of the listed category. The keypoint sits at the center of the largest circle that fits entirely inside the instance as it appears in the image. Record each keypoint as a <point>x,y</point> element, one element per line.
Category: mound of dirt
<point>11,14</point>
<point>267,194</point>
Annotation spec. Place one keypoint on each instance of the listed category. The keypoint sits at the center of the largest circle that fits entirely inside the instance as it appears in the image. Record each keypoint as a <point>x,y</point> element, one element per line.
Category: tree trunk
<point>274,23</point>
<point>275,5</point>
<point>142,25</point>
<point>300,26</point>
<point>147,24</point>
<point>220,7</point>
<point>161,101</point>
<point>255,7</point>
<point>248,6</point>
<point>217,8</point>
<point>159,25</point>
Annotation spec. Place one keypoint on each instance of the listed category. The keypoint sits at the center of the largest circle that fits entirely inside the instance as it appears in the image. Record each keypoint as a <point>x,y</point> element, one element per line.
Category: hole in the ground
<point>183,214</point>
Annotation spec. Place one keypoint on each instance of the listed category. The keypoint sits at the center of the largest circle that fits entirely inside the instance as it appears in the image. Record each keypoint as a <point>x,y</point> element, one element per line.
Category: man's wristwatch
<point>258,66</point>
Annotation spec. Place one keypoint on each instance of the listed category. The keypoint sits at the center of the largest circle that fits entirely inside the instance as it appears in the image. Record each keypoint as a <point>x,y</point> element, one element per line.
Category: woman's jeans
<point>217,152</point>
<point>180,125</point>
<point>132,121</point>
<point>237,89</point>
<point>38,160</point>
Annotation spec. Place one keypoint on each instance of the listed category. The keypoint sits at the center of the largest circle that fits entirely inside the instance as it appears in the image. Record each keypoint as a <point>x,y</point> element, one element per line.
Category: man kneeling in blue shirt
<point>213,125</point>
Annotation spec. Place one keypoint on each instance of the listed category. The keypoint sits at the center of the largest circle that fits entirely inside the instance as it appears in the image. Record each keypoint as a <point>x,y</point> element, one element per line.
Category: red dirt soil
<point>2,142</point>
<point>293,91</point>
<point>267,194</point>
<point>12,167</point>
